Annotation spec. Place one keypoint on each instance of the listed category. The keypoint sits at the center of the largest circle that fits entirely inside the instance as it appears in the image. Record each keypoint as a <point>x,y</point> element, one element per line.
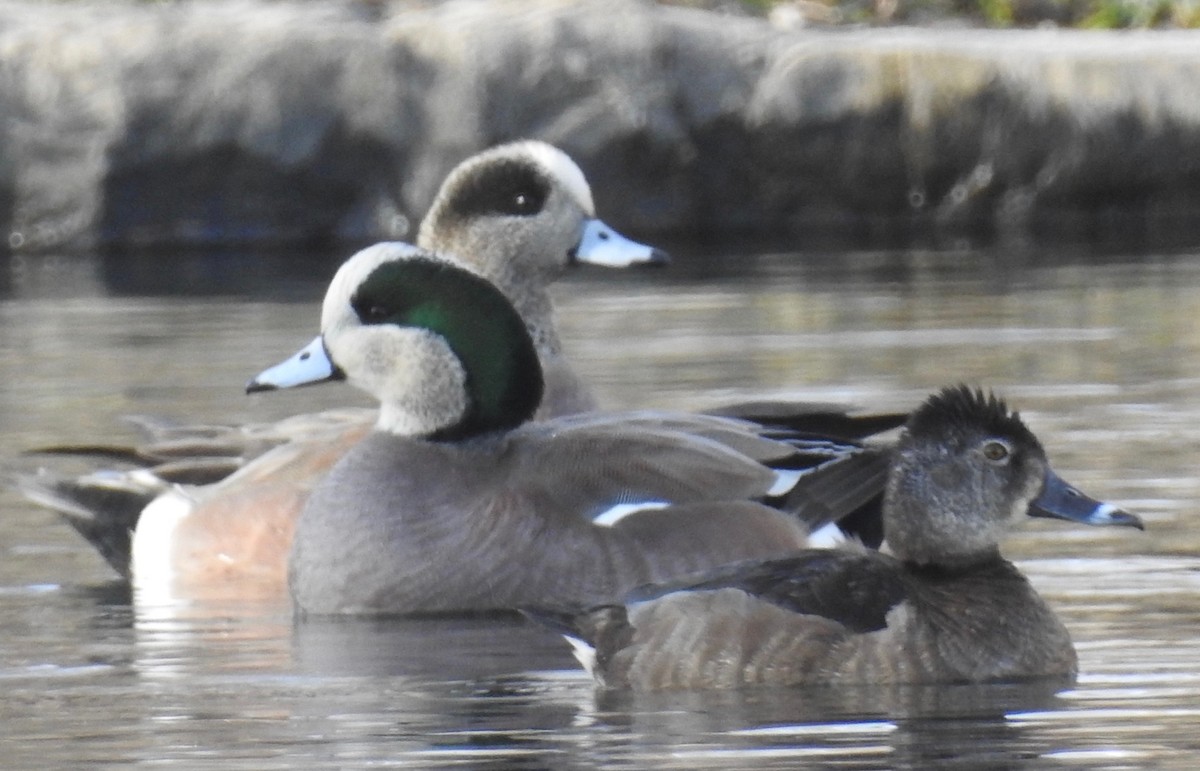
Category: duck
<point>939,605</point>
<point>522,213</point>
<point>459,501</point>
<point>208,511</point>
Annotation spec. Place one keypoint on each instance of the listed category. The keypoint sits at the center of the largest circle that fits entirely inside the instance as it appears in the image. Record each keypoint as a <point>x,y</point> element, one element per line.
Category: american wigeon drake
<point>943,607</point>
<point>214,507</point>
<point>520,214</point>
<point>457,501</point>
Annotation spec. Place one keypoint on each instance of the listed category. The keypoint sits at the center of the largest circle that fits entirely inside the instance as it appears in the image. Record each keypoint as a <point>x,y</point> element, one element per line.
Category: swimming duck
<point>944,606</point>
<point>520,213</point>
<point>457,501</point>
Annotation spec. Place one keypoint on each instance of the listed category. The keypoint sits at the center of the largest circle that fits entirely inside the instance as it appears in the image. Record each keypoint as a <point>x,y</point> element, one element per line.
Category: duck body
<point>495,531</point>
<point>458,501</point>
<point>863,618</point>
<point>943,607</point>
<point>213,513</point>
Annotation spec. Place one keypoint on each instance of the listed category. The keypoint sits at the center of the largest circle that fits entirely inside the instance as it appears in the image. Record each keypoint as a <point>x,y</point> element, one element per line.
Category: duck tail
<point>594,634</point>
<point>103,508</point>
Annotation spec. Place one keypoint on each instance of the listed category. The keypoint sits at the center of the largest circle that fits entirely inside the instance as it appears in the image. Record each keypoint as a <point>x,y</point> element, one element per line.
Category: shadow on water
<point>282,274</point>
<point>300,273</point>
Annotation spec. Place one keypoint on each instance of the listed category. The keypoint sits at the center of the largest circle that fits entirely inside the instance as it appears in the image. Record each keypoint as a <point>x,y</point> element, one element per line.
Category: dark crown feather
<point>961,408</point>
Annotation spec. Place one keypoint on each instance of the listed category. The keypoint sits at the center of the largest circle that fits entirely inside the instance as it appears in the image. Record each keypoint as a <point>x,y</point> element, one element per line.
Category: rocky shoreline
<point>277,122</point>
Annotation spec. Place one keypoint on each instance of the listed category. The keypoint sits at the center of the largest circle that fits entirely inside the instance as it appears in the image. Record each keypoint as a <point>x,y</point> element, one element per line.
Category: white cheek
<point>419,382</point>
<point>421,368</point>
<point>422,385</point>
<point>359,354</point>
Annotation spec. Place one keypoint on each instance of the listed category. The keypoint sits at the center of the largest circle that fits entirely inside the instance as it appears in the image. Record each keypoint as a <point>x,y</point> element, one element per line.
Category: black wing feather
<point>814,419</point>
<point>848,491</point>
<point>855,589</point>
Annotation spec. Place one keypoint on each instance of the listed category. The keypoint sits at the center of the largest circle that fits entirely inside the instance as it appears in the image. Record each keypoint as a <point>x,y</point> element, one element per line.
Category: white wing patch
<point>785,479</point>
<point>615,514</point>
<point>828,536</point>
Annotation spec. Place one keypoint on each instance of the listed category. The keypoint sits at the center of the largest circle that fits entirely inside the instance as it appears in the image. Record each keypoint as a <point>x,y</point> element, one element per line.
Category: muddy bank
<point>231,122</point>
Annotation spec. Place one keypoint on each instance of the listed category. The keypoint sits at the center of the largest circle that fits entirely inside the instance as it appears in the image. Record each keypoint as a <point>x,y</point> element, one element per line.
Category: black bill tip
<point>1060,500</point>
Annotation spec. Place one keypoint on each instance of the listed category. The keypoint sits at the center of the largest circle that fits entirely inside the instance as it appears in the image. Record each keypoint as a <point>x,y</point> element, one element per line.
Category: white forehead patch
<point>354,271</point>
<point>560,166</point>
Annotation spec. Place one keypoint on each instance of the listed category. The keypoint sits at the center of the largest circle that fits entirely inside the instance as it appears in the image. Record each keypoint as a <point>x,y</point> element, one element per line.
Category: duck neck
<point>502,382</point>
<point>934,529</point>
<point>955,568</point>
<point>533,304</point>
<point>487,396</point>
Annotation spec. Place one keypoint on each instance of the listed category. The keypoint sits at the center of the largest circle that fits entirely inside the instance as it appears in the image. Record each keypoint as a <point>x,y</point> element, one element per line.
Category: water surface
<point>1102,356</point>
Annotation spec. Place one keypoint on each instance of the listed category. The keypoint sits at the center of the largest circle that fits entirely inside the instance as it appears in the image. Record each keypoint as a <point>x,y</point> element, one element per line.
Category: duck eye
<point>995,451</point>
<point>523,204</point>
<point>370,312</point>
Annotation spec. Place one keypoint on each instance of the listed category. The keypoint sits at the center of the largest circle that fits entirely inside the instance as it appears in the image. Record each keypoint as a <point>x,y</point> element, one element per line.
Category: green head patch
<point>503,375</point>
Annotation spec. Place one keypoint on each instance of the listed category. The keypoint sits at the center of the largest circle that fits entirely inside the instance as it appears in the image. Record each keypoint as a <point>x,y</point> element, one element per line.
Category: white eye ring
<point>996,451</point>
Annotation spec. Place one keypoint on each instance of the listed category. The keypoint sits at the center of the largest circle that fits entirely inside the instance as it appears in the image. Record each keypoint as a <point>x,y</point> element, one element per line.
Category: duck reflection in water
<point>859,726</point>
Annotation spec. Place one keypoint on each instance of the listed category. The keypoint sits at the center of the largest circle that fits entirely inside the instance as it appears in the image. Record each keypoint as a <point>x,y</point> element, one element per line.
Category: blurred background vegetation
<point>1081,14</point>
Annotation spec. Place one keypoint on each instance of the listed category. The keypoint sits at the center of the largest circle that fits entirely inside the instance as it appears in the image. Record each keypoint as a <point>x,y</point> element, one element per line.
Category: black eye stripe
<point>510,188</point>
<point>369,310</point>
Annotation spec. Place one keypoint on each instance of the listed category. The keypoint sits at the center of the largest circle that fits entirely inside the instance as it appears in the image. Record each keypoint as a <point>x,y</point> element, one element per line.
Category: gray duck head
<point>964,468</point>
<point>521,213</point>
